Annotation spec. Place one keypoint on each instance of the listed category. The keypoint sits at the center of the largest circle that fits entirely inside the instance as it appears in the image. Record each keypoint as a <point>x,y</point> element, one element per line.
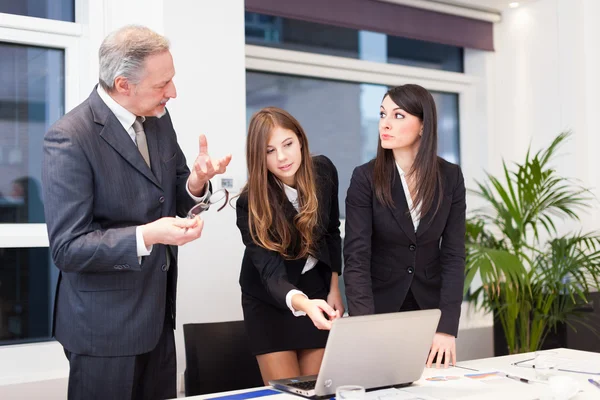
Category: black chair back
<point>218,358</point>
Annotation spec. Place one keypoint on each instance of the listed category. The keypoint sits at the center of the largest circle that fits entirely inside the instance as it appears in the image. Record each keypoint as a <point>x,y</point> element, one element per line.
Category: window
<point>290,34</point>
<point>341,118</point>
<point>27,285</point>
<point>36,56</point>
<point>31,98</point>
<point>62,10</point>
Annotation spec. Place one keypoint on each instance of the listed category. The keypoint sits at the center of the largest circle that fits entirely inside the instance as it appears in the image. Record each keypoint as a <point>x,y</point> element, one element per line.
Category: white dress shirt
<point>415,214</point>
<point>126,118</point>
<point>292,195</point>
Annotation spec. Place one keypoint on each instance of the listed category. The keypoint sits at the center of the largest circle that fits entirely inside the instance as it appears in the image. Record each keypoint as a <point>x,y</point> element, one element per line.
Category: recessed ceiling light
<point>514,5</point>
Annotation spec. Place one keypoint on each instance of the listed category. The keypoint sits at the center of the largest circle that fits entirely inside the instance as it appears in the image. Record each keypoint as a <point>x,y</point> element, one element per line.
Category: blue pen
<point>593,382</point>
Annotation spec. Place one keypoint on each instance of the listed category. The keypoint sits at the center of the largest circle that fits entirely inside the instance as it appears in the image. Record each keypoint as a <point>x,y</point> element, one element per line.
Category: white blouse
<point>292,195</point>
<point>415,214</point>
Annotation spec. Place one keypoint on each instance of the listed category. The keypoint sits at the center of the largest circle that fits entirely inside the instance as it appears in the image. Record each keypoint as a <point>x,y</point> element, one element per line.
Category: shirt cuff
<point>288,301</point>
<point>142,250</point>
<point>196,198</point>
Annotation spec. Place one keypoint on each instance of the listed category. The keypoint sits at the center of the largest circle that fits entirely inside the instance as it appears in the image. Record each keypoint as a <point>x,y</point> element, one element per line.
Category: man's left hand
<point>205,168</point>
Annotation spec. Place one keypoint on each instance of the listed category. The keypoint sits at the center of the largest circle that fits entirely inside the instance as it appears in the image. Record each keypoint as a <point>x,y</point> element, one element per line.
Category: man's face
<point>149,97</point>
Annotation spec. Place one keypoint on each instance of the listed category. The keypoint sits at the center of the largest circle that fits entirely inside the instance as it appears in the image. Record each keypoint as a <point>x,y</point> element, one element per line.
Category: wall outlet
<point>227,183</point>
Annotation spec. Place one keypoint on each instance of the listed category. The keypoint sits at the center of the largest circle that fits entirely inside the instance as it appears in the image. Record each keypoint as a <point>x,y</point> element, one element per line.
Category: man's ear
<point>122,85</point>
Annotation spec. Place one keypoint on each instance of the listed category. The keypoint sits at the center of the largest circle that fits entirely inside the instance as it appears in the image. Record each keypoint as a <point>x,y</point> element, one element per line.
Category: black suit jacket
<point>384,257</point>
<point>265,274</point>
<point>97,189</point>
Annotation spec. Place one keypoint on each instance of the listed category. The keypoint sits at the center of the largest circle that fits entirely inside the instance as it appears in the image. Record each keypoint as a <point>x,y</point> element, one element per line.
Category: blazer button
<point>161,199</point>
<point>410,270</point>
<point>412,247</point>
<point>164,268</point>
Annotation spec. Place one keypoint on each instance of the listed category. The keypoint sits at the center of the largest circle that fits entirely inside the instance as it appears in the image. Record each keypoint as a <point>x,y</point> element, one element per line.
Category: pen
<point>460,366</point>
<point>518,378</point>
<point>593,382</point>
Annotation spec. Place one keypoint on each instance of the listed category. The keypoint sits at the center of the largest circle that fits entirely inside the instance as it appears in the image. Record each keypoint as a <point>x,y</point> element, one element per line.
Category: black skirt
<point>271,329</point>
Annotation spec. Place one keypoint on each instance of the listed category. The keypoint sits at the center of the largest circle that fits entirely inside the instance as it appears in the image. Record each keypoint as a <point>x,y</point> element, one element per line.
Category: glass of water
<point>350,392</point>
<point>544,364</point>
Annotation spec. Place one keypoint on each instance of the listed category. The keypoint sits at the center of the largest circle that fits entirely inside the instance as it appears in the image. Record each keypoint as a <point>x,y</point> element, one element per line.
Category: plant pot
<point>563,336</point>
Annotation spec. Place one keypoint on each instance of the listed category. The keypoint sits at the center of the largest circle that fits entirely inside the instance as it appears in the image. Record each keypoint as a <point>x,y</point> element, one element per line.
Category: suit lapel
<point>114,134</point>
<point>153,147</point>
<point>400,212</point>
<point>425,220</point>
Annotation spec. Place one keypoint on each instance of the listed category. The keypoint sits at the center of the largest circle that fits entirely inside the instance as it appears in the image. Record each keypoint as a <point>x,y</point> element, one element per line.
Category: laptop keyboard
<point>306,385</point>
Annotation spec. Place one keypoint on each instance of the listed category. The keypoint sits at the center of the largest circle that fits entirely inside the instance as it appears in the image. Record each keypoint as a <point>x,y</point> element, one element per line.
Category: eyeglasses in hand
<point>211,199</point>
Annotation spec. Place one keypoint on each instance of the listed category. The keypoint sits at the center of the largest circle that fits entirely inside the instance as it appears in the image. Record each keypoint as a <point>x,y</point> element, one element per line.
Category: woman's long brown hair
<point>267,220</point>
<point>416,101</point>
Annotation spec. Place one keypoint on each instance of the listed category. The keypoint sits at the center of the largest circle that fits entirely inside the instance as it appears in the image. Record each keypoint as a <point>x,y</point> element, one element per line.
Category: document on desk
<point>484,385</point>
<point>395,394</point>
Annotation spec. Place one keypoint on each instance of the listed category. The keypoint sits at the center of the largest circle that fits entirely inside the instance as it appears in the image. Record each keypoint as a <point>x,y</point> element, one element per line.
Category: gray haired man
<point>114,178</point>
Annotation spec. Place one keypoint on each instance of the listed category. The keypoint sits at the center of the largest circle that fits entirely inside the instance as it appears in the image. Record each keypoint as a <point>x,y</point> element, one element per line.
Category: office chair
<point>218,358</point>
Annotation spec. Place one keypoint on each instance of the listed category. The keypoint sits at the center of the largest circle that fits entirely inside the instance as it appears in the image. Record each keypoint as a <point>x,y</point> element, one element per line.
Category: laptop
<point>373,351</point>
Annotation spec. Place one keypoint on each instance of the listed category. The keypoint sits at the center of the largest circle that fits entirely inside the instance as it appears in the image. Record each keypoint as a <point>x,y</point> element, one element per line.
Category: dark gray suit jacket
<point>97,189</point>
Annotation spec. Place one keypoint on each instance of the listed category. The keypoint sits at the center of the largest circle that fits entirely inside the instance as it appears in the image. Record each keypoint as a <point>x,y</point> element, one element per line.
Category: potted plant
<point>532,278</point>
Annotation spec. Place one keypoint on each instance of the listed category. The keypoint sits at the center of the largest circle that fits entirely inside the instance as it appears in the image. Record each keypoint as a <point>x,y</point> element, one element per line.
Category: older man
<point>114,178</point>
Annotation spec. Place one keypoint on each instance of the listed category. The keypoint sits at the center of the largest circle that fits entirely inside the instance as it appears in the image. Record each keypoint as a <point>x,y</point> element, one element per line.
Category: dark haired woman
<point>404,247</point>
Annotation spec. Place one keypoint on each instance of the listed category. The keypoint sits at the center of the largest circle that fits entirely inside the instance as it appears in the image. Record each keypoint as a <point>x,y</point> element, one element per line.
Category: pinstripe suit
<point>97,189</point>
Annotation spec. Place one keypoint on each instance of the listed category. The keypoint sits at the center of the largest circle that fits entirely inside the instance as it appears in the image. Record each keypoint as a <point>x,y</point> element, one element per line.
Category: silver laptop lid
<point>377,350</point>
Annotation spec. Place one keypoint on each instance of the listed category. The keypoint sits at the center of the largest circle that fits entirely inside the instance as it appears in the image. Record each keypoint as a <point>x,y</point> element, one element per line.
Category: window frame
<point>466,86</point>
<point>44,33</point>
<point>71,38</point>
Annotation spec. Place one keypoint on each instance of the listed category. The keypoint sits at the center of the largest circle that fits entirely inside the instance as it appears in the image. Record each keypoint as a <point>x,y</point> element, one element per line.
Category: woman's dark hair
<point>416,101</point>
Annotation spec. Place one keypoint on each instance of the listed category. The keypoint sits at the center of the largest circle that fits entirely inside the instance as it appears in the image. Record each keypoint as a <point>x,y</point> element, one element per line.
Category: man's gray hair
<point>123,52</point>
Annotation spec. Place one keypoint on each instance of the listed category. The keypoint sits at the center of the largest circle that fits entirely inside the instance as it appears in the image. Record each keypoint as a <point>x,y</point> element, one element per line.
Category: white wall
<point>544,82</point>
<point>208,49</point>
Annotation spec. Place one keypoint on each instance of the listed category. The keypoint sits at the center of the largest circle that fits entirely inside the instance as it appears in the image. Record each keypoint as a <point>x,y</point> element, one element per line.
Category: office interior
<point>506,77</point>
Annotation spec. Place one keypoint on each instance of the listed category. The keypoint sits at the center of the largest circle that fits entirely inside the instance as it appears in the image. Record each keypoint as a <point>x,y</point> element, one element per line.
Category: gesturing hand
<point>205,168</point>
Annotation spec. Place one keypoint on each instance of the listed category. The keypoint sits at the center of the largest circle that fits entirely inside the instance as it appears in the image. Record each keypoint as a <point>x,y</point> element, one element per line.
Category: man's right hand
<point>314,309</point>
<point>172,231</point>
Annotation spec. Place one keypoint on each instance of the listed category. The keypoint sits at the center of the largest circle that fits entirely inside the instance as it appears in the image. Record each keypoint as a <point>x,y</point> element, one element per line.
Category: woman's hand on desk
<point>444,346</point>
<point>314,309</point>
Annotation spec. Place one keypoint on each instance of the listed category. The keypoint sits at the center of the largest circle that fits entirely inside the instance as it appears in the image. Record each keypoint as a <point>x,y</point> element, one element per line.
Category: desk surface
<point>455,390</point>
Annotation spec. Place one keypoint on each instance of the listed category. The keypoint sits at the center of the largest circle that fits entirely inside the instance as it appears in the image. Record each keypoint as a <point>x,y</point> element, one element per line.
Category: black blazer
<point>383,257</point>
<point>265,274</point>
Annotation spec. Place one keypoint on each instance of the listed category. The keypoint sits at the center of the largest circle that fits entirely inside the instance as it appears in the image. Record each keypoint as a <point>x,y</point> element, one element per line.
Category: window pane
<point>27,285</point>
<point>422,54</point>
<point>31,99</point>
<point>63,10</point>
<point>341,118</point>
<point>290,34</point>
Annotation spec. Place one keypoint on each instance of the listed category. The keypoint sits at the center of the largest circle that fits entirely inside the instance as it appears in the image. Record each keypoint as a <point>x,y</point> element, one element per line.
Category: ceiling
<point>492,5</point>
